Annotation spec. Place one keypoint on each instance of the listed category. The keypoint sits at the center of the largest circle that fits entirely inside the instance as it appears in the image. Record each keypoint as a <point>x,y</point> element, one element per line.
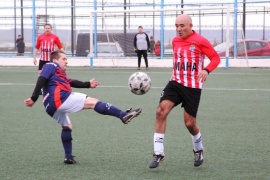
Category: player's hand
<point>29,102</point>
<point>135,50</point>
<point>35,61</point>
<point>203,75</point>
<point>149,50</point>
<point>93,83</point>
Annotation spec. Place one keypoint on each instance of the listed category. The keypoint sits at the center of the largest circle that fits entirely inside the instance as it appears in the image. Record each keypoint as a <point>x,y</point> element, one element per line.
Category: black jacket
<point>20,46</point>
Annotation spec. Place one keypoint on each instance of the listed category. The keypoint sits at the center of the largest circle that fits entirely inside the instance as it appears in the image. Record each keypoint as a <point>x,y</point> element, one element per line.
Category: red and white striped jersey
<point>46,45</point>
<point>188,59</point>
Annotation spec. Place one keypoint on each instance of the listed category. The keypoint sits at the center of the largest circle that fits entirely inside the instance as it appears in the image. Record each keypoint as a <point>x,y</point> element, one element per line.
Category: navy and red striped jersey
<point>57,89</point>
<point>46,43</point>
<point>188,59</point>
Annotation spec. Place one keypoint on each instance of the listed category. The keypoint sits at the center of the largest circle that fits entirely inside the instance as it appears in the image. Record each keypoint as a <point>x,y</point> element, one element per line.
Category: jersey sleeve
<point>40,83</point>
<point>38,43</point>
<point>208,50</point>
<point>79,84</point>
<point>147,40</point>
<point>135,41</point>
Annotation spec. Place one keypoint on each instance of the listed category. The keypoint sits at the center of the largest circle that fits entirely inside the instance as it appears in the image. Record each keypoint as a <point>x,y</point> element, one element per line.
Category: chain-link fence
<point>71,21</point>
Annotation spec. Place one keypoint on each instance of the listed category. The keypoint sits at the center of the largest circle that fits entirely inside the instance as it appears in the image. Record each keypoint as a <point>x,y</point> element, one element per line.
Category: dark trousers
<point>143,53</point>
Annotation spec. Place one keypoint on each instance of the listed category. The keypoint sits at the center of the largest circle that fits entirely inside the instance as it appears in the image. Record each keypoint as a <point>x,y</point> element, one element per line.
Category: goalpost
<point>109,27</point>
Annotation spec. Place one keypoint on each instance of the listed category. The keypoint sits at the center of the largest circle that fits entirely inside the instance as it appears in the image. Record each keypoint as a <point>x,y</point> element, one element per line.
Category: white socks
<point>197,142</point>
<point>158,143</point>
<point>159,147</point>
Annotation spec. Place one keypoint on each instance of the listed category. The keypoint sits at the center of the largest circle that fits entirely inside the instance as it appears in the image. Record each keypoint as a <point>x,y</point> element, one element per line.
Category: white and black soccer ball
<point>139,83</point>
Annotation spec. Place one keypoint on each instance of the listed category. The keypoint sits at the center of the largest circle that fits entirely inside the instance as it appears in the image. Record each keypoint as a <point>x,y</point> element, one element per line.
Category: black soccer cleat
<point>198,158</point>
<point>156,160</point>
<point>70,160</point>
<point>130,114</point>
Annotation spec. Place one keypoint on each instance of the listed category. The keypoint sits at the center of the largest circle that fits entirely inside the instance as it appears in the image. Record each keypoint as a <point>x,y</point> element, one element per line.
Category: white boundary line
<point>133,63</point>
<point>214,89</point>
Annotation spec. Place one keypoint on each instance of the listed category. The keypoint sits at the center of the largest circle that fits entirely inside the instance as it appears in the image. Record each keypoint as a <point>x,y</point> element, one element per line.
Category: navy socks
<point>108,109</point>
<point>66,138</point>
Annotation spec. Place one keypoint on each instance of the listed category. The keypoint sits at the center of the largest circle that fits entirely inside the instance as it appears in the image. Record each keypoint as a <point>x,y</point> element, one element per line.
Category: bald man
<point>184,87</point>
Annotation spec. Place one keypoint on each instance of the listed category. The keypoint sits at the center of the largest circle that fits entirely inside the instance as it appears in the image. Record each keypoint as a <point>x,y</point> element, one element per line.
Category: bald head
<point>183,24</point>
<point>184,18</point>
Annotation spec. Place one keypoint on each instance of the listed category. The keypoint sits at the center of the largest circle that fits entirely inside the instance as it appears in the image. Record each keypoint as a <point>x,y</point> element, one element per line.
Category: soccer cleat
<point>130,114</point>
<point>70,160</point>
<point>198,157</point>
<point>156,160</point>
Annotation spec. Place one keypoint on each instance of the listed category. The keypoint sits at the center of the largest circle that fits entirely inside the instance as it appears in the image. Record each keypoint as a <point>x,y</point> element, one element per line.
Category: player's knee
<point>67,127</point>
<point>90,103</point>
<point>160,113</point>
<point>190,123</point>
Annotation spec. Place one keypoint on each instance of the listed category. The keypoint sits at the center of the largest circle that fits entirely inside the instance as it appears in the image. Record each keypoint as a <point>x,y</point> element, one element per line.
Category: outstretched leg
<point>109,109</point>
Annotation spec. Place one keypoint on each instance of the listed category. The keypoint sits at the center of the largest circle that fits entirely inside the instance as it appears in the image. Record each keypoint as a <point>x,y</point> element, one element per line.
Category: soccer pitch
<point>233,117</point>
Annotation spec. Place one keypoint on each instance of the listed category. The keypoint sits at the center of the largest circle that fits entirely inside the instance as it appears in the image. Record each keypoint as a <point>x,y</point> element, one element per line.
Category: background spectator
<point>20,46</point>
<point>157,48</point>
<point>141,46</point>
<point>152,45</point>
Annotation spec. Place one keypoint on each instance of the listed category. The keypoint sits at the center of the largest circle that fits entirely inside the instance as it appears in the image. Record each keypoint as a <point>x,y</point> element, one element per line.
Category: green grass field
<point>233,117</point>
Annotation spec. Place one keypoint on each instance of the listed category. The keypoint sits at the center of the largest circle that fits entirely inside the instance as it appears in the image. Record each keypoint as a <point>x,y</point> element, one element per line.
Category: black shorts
<point>41,64</point>
<point>177,93</point>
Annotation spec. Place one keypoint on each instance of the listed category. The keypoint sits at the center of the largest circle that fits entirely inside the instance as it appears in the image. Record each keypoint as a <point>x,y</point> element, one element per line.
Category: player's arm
<point>135,43</point>
<point>210,52</point>
<point>35,57</point>
<point>214,58</point>
<point>41,81</point>
<point>58,44</point>
<point>148,42</point>
<point>36,51</point>
<point>83,84</point>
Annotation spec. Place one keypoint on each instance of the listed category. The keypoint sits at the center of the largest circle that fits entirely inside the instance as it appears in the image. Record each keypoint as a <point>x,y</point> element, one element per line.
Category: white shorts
<point>74,103</point>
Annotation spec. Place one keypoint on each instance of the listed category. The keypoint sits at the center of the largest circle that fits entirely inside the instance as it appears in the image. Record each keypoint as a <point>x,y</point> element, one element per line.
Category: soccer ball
<point>139,83</point>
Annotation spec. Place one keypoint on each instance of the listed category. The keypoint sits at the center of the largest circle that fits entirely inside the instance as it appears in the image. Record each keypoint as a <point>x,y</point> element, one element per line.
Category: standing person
<point>141,46</point>
<point>46,43</point>
<point>18,39</point>
<point>152,45</point>
<point>185,85</point>
<point>59,100</point>
<point>20,46</point>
